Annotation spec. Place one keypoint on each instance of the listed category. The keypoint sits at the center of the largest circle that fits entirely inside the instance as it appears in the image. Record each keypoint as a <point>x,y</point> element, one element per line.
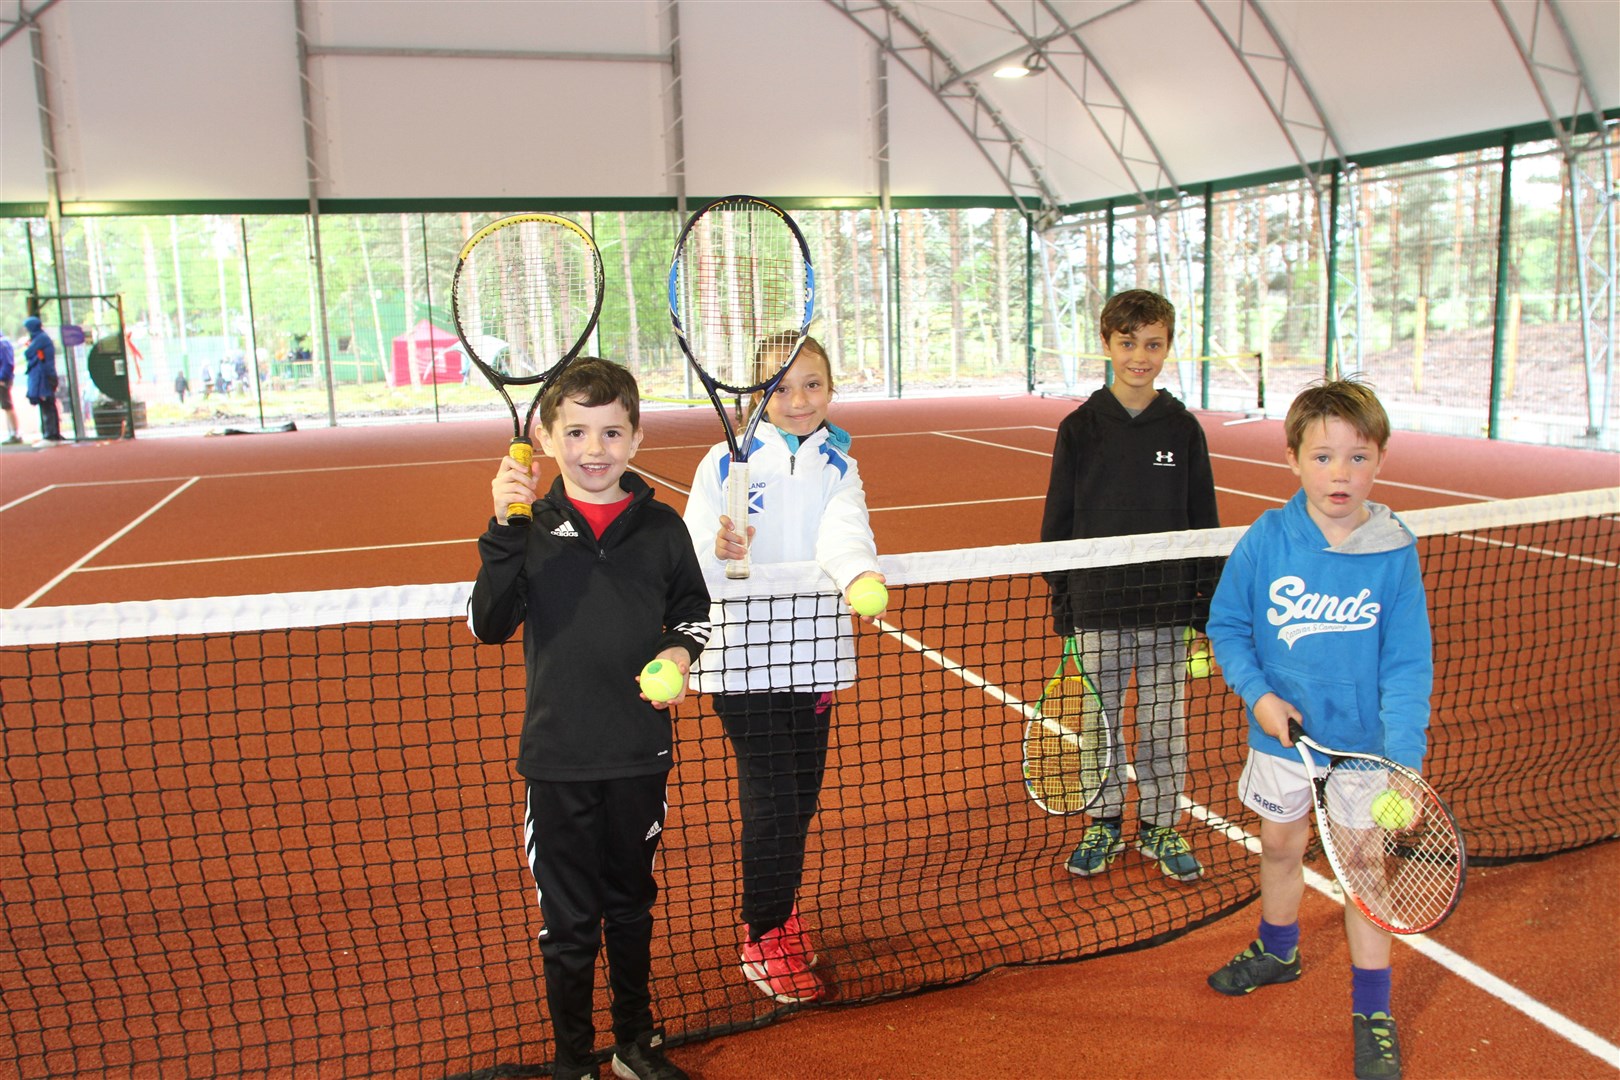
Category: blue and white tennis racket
<point>741,295</point>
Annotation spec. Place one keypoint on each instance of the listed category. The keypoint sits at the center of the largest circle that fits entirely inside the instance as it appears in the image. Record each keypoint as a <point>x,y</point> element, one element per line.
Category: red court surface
<point>373,506</point>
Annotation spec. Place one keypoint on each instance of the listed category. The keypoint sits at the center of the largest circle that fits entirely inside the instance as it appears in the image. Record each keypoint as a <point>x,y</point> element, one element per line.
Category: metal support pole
<point>1331,242</point>
<point>1209,287</point>
<point>1504,230</point>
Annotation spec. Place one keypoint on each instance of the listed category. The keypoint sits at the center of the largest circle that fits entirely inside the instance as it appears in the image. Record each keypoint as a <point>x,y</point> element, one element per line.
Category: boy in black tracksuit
<point>1132,459</point>
<point>603,580</point>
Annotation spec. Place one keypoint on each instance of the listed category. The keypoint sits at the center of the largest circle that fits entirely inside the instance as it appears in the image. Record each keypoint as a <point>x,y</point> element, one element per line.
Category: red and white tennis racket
<point>1390,838</point>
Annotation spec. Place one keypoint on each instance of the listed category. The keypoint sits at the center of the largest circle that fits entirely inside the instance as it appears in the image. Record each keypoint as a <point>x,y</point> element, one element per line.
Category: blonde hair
<point>1350,400</point>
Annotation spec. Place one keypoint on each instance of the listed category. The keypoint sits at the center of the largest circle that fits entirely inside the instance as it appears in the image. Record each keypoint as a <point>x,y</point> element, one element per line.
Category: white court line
<point>272,555</point>
<point>105,544</point>
<point>24,498</point>
<point>1458,965</point>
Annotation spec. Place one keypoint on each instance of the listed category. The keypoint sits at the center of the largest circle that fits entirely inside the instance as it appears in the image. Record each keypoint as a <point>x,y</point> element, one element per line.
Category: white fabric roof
<point>200,99</point>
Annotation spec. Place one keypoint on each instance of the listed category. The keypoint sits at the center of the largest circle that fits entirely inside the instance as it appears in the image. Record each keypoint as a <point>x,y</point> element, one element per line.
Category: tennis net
<point>280,835</point>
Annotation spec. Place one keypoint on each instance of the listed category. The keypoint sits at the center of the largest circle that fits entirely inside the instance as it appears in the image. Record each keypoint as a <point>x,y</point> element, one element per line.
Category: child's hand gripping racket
<point>1068,751</point>
<point>526,296</point>
<point>1391,840</point>
<point>741,294</point>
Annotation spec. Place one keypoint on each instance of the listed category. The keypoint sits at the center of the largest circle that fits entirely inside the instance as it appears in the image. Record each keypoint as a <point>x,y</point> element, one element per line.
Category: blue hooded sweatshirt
<point>1341,633</point>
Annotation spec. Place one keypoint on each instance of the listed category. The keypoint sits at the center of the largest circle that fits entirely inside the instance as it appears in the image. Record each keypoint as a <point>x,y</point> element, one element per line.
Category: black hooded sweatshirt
<point>1114,474</point>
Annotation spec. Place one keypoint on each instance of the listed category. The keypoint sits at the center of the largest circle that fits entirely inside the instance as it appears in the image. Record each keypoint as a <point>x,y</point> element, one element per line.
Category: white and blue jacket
<point>806,503</point>
<point>1341,633</point>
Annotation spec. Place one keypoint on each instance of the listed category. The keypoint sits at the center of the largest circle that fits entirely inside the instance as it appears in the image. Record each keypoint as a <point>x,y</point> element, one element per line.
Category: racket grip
<point>737,511</point>
<point>522,452</point>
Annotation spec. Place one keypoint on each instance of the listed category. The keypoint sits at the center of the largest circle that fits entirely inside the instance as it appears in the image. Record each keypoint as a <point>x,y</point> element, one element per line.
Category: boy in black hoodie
<point>602,580</point>
<point>1132,459</point>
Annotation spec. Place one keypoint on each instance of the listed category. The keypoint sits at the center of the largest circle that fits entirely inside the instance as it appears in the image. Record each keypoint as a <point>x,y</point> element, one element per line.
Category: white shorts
<point>1276,788</point>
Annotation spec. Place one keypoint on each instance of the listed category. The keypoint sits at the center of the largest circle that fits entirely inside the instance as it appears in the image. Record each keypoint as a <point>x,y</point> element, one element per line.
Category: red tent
<point>437,354</point>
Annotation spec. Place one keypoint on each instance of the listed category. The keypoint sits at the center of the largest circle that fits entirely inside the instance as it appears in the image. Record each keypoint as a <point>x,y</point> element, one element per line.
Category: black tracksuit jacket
<point>594,612</point>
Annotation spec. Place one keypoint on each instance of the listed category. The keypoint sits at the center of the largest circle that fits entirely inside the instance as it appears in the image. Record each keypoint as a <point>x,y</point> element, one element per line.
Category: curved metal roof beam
<point>1254,41</point>
<point>1553,54</point>
<point>1116,135</point>
<point>913,49</point>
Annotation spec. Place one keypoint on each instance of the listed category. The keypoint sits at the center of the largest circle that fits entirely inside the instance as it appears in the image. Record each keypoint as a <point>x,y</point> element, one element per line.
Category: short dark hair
<point>1129,311</point>
<point>592,382</point>
<point>1350,400</point>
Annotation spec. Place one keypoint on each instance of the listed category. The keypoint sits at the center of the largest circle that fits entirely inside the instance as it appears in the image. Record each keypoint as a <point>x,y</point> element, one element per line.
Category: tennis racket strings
<point>741,278</point>
<point>529,297</point>
<point>1406,878</point>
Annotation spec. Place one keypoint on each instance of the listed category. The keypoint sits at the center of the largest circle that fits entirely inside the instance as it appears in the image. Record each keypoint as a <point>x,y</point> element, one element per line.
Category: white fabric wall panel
<point>930,154</point>
<point>22,164</point>
<point>1422,71</point>
<point>167,101</point>
<point>199,99</point>
<point>778,100</point>
<point>414,128</point>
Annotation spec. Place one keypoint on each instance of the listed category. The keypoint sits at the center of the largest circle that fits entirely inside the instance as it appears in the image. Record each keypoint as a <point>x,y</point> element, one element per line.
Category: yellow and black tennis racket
<point>1068,750</point>
<point>526,297</point>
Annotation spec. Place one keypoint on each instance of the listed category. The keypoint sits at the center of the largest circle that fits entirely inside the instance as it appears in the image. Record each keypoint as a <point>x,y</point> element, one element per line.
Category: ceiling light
<point>1033,64</point>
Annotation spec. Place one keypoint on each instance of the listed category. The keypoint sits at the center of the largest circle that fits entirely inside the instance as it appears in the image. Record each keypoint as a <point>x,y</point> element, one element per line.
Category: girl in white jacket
<point>772,666</point>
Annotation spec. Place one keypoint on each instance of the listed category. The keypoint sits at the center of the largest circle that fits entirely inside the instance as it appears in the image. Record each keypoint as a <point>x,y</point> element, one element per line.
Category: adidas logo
<point>654,831</point>
<point>565,529</point>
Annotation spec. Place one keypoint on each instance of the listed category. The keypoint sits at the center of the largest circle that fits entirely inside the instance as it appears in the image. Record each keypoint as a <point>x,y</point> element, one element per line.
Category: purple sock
<point>1279,941</point>
<point>1369,991</point>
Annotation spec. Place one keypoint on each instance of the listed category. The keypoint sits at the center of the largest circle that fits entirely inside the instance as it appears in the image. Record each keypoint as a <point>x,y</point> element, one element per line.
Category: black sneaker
<point>1378,1048</point>
<point>1253,968</point>
<point>644,1060</point>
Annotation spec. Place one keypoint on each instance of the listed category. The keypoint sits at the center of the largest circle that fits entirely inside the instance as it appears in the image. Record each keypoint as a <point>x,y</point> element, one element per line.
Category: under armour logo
<point>1164,457</point>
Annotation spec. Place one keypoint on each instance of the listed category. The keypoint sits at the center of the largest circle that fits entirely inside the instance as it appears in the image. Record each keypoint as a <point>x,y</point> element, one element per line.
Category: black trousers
<point>50,420</point>
<point>780,742</point>
<point>591,846</point>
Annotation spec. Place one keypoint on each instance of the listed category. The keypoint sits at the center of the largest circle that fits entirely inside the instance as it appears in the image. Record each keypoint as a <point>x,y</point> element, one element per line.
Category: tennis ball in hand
<point>1392,810</point>
<point>661,680</point>
<point>868,596</point>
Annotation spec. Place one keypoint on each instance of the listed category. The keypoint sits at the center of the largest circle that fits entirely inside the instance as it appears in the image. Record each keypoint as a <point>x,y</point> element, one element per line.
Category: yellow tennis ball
<point>868,597</point>
<point>661,680</point>
<point>1392,810</point>
<point>1198,664</point>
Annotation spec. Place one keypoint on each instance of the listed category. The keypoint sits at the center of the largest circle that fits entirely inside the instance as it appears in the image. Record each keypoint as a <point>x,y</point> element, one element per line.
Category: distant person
<point>8,375</point>
<point>1132,459</point>
<point>182,385</point>
<point>207,382</point>
<point>40,353</point>
<point>1288,649</point>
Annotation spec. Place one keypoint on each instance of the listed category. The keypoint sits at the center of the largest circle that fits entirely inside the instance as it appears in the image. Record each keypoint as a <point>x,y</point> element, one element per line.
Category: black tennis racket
<point>1067,749</point>
<point>1392,842</point>
<point>526,296</point>
<point>741,294</point>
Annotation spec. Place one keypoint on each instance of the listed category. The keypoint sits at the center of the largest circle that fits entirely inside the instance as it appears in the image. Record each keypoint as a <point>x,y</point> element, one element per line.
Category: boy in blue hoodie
<point>1320,617</point>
